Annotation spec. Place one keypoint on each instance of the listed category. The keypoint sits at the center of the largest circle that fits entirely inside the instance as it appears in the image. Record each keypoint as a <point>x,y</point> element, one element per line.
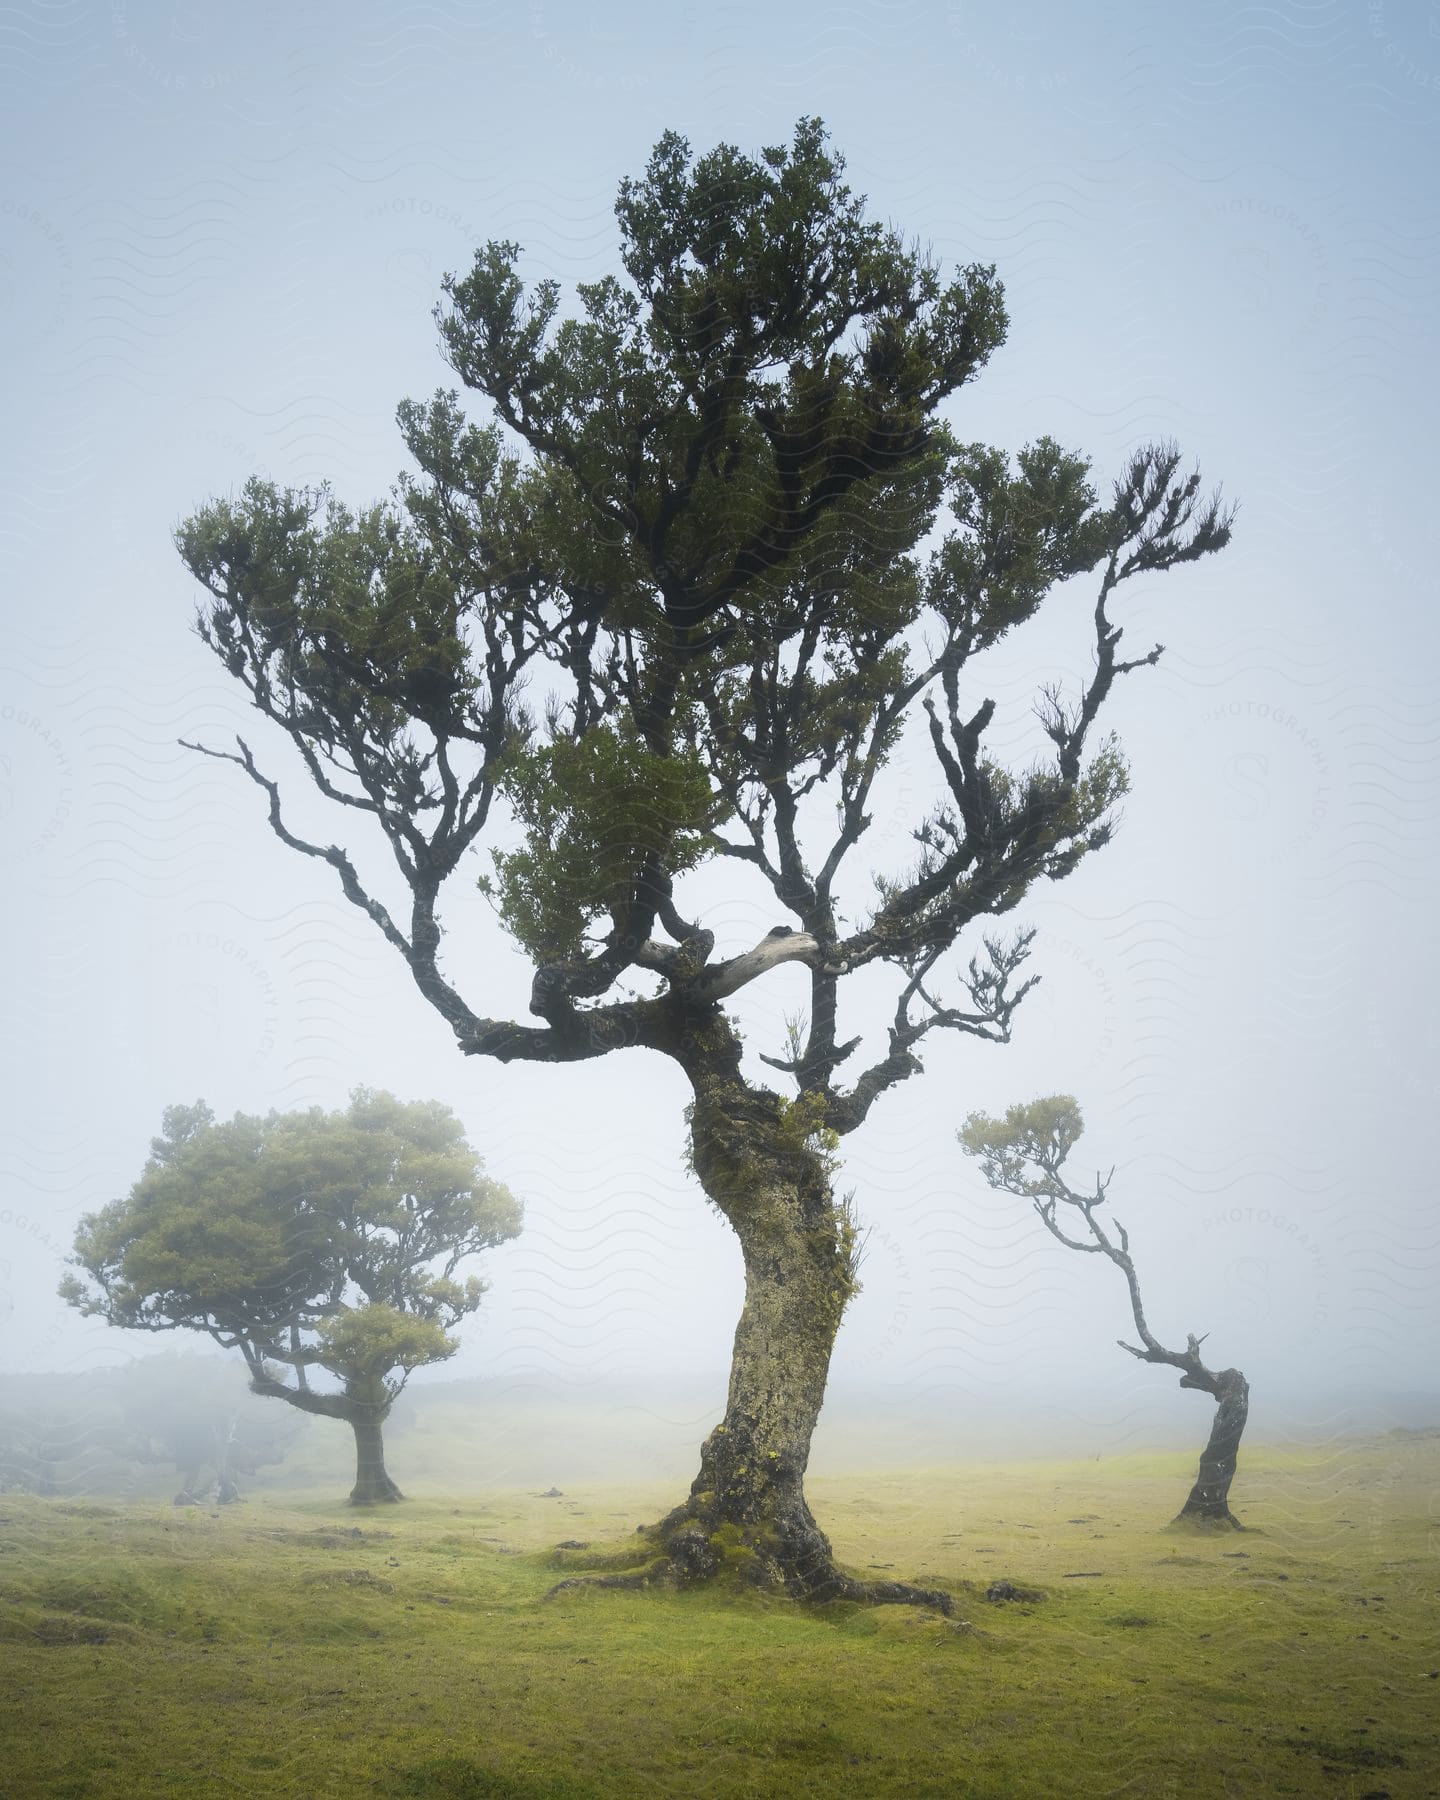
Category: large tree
<point>698,514</point>
<point>323,1246</point>
<point>1024,1153</point>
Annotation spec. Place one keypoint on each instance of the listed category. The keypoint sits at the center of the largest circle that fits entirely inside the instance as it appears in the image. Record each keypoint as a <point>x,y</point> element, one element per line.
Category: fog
<point>221,236</point>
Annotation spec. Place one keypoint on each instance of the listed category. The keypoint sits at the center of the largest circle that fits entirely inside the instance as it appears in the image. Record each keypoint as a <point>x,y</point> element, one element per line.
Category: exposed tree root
<point>1197,1521</point>
<point>892,1593</point>
<point>637,1578</point>
<point>691,1558</point>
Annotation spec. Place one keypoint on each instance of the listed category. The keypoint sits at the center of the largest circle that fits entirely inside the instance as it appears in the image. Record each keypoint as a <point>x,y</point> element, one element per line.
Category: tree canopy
<point>697,513</point>
<point>319,1244</point>
<point>670,600</point>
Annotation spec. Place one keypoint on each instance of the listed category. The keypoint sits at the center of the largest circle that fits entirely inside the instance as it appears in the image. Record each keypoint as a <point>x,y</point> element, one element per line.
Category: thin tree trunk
<point>1209,1499</point>
<point>227,1489</point>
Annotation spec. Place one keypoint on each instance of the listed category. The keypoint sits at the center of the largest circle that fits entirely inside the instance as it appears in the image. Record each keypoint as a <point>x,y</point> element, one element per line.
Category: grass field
<point>301,1649</point>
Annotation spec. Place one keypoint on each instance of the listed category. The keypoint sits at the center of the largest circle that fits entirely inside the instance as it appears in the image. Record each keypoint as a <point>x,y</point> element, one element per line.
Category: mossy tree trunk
<point>364,1406</point>
<point>1209,1500</point>
<point>764,1163</point>
<point>373,1486</point>
<point>749,1496</point>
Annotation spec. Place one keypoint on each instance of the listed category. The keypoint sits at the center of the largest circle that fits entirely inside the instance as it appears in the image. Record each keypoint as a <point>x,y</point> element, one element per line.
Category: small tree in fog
<point>193,1414</point>
<point>95,1433</point>
<point>323,1246</point>
<point>1023,1153</point>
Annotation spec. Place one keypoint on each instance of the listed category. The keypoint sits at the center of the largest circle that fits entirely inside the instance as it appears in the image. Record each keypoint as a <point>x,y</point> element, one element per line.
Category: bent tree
<point>1023,1153</point>
<point>322,1246</point>
<point>695,514</point>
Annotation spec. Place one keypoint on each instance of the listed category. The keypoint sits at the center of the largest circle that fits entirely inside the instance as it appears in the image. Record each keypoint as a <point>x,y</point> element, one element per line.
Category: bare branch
<point>778,946</point>
<point>332,854</point>
<point>994,1009</point>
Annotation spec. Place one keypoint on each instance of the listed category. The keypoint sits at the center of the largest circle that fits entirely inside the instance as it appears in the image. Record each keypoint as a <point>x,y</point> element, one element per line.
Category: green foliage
<point>367,1341</point>
<point>801,1126</point>
<point>764,310</point>
<point>314,577</point>
<point>1033,1134</point>
<point>1059,818</point>
<point>203,1238</point>
<point>1019,531</point>
<point>597,810</point>
<point>745,429</point>
<point>303,1238</point>
<point>704,502</point>
<point>1097,789</point>
<point>350,625</point>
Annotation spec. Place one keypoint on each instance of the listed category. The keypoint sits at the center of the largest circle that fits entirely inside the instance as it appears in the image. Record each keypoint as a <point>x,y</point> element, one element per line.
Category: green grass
<point>302,1649</point>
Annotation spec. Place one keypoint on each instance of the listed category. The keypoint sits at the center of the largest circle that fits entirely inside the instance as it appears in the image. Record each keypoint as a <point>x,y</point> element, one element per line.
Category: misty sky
<point>222,230</point>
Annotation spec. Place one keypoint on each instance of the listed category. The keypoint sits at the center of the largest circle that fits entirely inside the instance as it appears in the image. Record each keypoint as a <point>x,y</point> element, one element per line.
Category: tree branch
<point>994,1004</point>
<point>778,946</point>
<point>332,854</point>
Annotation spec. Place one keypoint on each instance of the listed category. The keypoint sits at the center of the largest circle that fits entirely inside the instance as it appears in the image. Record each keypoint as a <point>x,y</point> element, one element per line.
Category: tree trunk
<point>748,1500</point>
<point>364,1406</point>
<point>227,1489</point>
<point>373,1486</point>
<point>1209,1500</point>
<point>760,1161</point>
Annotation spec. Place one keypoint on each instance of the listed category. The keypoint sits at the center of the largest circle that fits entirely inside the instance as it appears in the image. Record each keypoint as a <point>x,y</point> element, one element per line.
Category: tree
<point>315,1243</point>
<point>1024,1153</point>
<point>106,1431</point>
<point>698,510</point>
<point>193,1414</point>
